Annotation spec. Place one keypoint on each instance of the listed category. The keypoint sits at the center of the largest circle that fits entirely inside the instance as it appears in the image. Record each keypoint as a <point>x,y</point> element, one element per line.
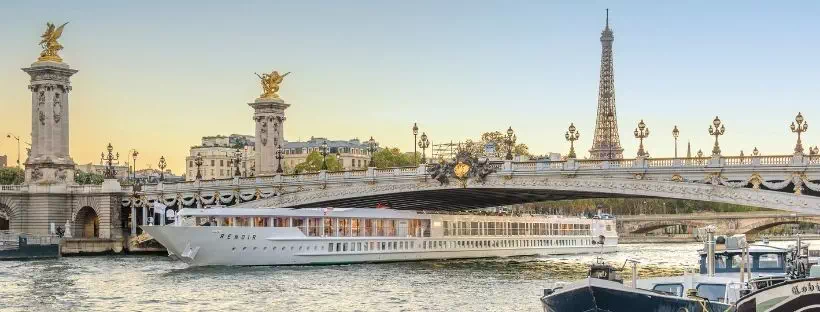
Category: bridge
<point>749,223</point>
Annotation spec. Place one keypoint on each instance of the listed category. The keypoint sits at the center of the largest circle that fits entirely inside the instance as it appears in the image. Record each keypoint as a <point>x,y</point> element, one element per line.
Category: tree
<point>313,163</point>
<point>88,178</point>
<point>393,157</point>
<point>12,175</point>
<point>497,138</point>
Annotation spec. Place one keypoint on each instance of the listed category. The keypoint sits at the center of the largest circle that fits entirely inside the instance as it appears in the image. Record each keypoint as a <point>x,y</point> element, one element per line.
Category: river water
<point>156,283</point>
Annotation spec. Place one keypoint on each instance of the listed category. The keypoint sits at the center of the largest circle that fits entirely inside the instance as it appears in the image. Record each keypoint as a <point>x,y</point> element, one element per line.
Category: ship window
<point>383,246</point>
<point>243,248</point>
<point>366,247</point>
<point>330,247</point>
<point>314,226</point>
<point>395,245</point>
<point>769,261</point>
<point>712,292</point>
<point>233,249</point>
<point>474,228</point>
<point>344,227</point>
<point>354,227</point>
<point>720,261</point>
<point>736,259</point>
<point>674,289</point>
<point>344,247</point>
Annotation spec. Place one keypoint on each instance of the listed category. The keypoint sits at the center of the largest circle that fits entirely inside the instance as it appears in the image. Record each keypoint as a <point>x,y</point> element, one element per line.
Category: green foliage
<point>12,175</point>
<point>313,163</point>
<point>497,138</point>
<point>88,178</point>
<point>392,157</point>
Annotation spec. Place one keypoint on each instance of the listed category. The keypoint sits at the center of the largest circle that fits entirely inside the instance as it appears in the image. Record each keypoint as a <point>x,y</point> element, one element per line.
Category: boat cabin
<point>761,259</point>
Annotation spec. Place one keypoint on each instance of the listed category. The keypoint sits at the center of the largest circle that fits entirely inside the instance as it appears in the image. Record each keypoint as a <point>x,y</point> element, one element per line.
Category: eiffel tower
<point>606,144</point>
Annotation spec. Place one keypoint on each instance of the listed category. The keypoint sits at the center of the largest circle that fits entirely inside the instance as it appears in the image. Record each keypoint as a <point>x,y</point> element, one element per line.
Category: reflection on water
<point>140,283</point>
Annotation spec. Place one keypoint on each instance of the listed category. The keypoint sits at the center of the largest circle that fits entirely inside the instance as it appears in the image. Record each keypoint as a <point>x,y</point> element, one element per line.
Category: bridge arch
<point>511,189</point>
<point>8,214</point>
<point>763,225</point>
<point>86,223</point>
<point>649,226</point>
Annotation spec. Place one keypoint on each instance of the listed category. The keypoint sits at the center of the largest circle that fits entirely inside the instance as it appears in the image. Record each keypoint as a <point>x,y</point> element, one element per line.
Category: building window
<point>212,162</point>
<point>191,163</point>
<point>222,163</point>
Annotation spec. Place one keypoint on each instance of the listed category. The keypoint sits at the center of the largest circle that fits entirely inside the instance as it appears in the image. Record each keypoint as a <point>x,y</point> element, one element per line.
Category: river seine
<point>156,283</point>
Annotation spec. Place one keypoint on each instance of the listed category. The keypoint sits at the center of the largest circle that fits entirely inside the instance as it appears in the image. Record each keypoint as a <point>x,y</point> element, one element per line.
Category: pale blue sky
<point>157,76</point>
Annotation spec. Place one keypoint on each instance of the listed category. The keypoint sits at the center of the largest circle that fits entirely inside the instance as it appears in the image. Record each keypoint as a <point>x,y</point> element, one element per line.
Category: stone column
<point>269,116</point>
<point>133,219</point>
<point>49,161</point>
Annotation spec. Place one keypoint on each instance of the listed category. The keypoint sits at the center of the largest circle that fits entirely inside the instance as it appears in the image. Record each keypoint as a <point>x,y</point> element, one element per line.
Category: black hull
<point>594,295</point>
<point>793,295</point>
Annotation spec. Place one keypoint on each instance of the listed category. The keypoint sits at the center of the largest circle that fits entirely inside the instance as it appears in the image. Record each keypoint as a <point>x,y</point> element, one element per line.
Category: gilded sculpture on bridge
<point>49,43</point>
<point>270,84</point>
<point>463,167</point>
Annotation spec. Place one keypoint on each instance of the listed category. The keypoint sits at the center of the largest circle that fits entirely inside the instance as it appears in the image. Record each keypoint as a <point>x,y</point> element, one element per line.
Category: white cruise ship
<point>283,236</point>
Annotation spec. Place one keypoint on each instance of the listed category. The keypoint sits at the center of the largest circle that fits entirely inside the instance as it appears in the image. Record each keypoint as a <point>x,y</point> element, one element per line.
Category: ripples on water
<point>143,283</point>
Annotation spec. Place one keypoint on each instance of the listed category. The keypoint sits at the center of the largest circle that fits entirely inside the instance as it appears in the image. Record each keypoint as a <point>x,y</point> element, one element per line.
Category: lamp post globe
<point>161,165</point>
<point>510,142</point>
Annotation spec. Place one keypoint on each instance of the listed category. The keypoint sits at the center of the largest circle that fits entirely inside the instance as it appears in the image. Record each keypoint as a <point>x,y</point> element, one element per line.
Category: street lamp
<point>161,165</point>
<point>510,141</point>
<point>12,136</point>
<point>641,132</point>
<point>134,153</point>
<point>755,152</point>
<point>198,163</point>
<point>279,159</point>
<point>424,144</point>
<point>675,134</point>
<point>415,141</point>
<point>109,172</point>
<point>802,126</point>
<point>572,135</point>
<point>372,150</point>
<point>324,155</point>
<point>718,130</point>
<point>237,158</point>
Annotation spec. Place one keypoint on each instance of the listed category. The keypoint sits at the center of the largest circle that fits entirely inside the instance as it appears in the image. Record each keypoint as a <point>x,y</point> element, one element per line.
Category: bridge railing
<point>501,167</point>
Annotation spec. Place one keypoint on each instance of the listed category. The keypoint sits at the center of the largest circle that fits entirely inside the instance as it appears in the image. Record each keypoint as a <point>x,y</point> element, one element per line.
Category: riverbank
<point>686,238</point>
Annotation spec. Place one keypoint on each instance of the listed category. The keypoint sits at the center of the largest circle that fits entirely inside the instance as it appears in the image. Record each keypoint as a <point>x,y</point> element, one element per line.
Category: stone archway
<point>86,223</point>
<point>5,220</point>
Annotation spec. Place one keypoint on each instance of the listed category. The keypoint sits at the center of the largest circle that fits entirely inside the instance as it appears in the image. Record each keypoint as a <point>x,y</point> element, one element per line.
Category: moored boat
<point>281,236</point>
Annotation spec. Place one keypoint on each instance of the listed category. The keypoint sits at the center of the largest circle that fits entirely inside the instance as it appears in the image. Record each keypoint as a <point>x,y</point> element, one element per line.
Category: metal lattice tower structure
<point>606,143</point>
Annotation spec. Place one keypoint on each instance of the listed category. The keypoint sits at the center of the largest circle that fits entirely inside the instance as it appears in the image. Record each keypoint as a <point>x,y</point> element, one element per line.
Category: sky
<point>156,76</point>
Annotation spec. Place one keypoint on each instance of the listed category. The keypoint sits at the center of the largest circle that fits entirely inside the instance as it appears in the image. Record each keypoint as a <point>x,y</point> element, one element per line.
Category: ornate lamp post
<point>134,153</point>
<point>755,152</point>
<point>372,150</point>
<point>424,144</point>
<point>641,132</point>
<point>802,126</point>
<point>324,155</point>
<point>415,142</point>
<point>718,130</point>
<point>109,172</point>
<point>572,135</point>
<point>198,163</point>
<point>675,134</point>
<point>161,165</point>
<point>237,158</point>
<point>12,136</point>
<point>510,141</point>
<point>279,158</point>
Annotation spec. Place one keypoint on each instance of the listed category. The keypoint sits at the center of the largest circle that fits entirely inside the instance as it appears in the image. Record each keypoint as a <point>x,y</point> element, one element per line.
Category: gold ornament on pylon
<point>270,84</point>
<point>756,180</point>
<point>461,170</point>
<point>677,178</point>
<point>50,45</point>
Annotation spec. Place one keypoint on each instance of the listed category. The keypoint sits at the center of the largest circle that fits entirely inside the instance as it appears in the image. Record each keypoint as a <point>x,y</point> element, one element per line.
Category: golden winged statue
<point>270,84</point>
<point>50,44</point>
